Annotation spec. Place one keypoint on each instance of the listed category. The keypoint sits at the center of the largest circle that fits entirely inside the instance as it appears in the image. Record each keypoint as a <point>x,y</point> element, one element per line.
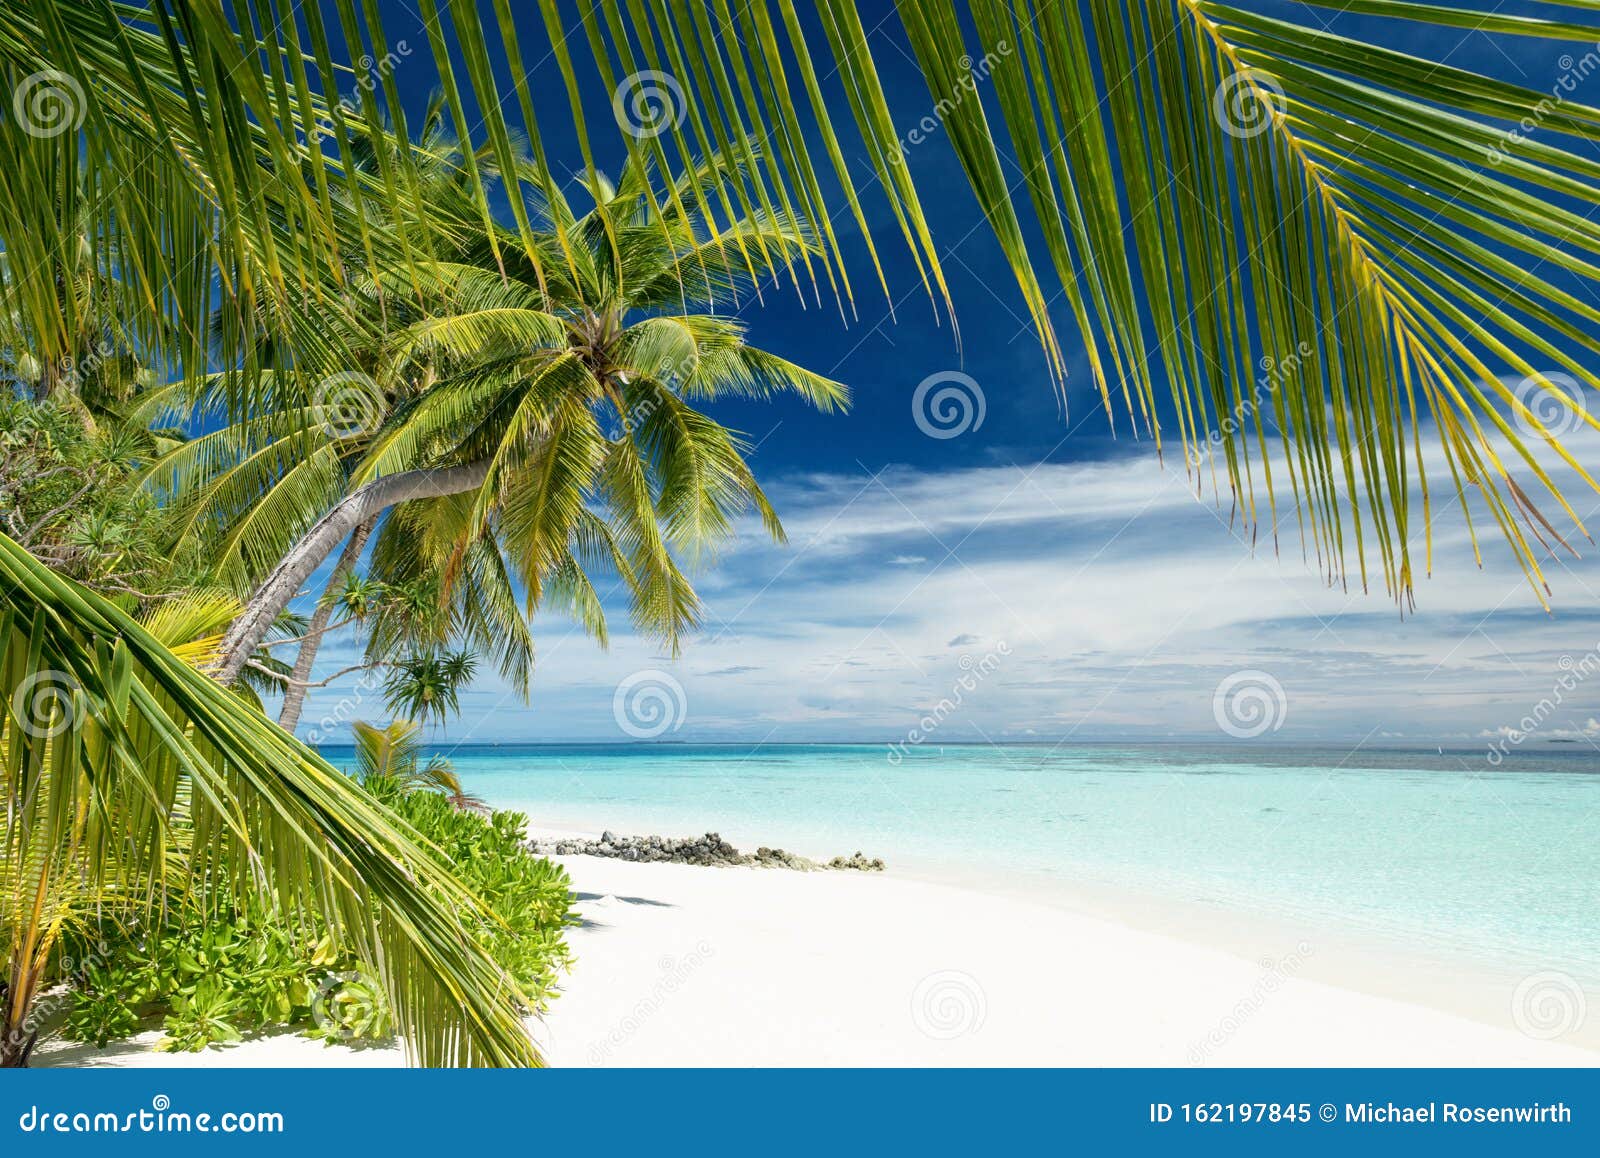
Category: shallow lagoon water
<point>1443,851</point>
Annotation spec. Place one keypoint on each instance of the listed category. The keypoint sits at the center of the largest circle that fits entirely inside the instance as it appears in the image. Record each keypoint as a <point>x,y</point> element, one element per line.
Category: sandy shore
<point>681,965</point>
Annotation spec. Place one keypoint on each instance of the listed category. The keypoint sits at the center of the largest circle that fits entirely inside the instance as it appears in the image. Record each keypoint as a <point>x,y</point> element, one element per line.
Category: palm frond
<point>84,687</point>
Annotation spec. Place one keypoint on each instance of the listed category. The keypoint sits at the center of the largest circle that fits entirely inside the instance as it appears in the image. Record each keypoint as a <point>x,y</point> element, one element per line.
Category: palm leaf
<point>108,742</point>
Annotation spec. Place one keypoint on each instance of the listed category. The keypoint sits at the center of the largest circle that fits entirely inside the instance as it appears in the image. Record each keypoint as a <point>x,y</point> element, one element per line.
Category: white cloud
<point>1123,599</point>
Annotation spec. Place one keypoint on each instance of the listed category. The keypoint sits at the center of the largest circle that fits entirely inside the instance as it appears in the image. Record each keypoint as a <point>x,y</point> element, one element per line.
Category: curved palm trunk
<point>363,504</point>
<point>294,695</point>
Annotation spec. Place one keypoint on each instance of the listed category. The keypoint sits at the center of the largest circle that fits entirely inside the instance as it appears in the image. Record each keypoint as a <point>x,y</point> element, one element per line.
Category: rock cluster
<point>709,849</point>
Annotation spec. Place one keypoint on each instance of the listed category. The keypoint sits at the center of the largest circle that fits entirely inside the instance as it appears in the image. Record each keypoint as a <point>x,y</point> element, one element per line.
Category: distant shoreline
<point>1459,748</point>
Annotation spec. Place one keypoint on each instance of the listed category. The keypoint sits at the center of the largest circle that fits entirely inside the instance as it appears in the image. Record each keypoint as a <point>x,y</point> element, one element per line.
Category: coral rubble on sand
<point>709,849</point>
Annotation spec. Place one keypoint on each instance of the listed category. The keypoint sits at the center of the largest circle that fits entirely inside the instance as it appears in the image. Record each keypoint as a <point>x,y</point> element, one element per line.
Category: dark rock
<point>709,849</point>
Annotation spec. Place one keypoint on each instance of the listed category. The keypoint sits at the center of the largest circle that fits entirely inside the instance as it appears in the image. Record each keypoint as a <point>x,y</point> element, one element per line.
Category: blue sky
<point>1121,600</point>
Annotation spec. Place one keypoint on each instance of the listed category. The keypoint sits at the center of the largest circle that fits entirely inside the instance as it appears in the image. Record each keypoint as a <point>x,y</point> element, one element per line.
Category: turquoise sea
<point>1441,851</point>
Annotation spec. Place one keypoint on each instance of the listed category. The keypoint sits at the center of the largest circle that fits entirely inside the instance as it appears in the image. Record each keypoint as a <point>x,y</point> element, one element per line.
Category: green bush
<point>529,899</point>
<point>210,975</point>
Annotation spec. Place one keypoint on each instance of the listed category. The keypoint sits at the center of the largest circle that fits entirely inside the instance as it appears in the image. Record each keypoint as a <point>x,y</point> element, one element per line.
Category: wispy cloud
<point>1123,599</point>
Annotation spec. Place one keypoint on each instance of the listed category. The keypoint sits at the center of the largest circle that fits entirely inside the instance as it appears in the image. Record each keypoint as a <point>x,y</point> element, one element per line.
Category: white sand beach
<point>683,965</point>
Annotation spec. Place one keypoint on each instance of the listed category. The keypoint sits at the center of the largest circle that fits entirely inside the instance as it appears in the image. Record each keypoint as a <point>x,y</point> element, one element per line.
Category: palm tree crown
<point>549,404</point>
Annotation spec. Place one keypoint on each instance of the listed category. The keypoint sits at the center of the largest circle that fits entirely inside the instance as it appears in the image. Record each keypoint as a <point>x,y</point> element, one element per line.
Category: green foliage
<point>101,1016</point>
<point>68,495</point>
<point>350,1007</point>
<point>529,899</point>
<point>133,785</point>
<point>208,975</point>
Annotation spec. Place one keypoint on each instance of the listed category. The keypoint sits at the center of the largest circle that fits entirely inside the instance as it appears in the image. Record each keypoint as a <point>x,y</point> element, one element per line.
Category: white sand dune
<point>680,965</point>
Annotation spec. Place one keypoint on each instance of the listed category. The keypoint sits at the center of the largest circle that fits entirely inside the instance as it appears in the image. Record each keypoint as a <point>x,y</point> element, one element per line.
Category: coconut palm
<point>536,418</point>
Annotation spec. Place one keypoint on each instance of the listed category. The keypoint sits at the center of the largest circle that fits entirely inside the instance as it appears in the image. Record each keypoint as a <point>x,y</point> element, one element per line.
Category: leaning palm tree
<point>532,419</point>
<point>127,773</point>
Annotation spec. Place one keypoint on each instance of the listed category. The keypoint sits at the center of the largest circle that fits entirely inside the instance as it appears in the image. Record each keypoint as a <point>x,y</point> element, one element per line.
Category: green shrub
<point>529,898</point>
<point>208,976</point>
